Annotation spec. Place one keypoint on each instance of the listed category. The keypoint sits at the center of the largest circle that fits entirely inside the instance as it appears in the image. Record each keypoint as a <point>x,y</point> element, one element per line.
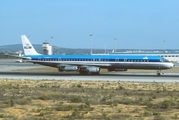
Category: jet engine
<point>67,68</point>
<point>89,70</point>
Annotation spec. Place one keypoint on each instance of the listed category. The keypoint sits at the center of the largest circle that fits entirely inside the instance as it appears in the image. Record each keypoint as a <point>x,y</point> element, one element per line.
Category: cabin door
<point>59,60</point>
<point>117,60</point>
<point>125,59</point>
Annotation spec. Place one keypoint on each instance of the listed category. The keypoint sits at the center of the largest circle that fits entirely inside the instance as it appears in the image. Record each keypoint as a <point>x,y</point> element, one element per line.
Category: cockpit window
<point>164,60</point>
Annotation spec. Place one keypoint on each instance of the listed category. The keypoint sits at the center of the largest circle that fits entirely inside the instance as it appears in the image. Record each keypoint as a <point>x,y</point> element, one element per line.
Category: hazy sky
<point>136,24</point>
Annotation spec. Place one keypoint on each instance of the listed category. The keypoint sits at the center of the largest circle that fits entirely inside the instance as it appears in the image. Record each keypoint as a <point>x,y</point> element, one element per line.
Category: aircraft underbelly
<point>123,65</point>
<point>137,66</point>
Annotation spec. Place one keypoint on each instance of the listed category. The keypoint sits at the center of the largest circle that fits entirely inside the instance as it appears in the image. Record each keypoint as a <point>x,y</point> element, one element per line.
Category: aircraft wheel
<point>158,74</point>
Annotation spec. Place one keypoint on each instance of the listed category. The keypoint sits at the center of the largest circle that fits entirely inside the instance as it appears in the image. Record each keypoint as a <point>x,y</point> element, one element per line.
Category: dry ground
<point>63,99</point>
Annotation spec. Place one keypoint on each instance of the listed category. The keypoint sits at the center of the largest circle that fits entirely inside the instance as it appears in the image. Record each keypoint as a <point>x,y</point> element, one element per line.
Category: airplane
<point>91,64</point>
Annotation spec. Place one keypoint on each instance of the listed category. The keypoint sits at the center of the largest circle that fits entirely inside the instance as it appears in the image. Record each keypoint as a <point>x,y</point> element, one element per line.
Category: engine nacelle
<point>89,70</point>
<point>93,69</point>
<point>117,69</point>
<point>68,68</point>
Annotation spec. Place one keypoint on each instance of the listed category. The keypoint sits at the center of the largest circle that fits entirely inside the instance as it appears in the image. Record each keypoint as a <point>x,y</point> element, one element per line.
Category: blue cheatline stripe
<point>97,58</point>
<point>110,58</point>
<point>102,60</point>
<point>94,56</point>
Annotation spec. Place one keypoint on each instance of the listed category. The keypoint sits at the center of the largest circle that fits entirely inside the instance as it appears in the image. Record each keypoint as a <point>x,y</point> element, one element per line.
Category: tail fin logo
<point>27,46</point>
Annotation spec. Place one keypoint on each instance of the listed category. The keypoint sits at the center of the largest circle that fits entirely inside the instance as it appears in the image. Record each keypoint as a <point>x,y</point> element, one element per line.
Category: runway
<point>103,76</point>
<point>7,67</point>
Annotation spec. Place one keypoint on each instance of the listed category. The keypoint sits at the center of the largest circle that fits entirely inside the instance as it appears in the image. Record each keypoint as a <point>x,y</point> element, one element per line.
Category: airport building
<point>47,48</point>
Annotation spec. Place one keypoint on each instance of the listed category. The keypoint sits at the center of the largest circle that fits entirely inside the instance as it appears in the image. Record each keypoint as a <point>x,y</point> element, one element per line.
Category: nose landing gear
<point>158,72</point>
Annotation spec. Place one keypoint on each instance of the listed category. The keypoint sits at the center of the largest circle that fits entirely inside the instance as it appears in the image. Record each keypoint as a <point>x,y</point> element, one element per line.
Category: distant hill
<point>10,47</point>
<point>17,47</point>
<point>56,50</point>
<point>59,50</point>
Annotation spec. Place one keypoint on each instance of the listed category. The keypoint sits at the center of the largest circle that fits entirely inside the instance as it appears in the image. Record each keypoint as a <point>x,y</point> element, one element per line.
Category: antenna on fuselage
<point>91,43</point>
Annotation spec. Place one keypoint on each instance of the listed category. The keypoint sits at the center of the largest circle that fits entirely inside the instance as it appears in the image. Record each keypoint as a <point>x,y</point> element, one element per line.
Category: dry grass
<point>63,99</point>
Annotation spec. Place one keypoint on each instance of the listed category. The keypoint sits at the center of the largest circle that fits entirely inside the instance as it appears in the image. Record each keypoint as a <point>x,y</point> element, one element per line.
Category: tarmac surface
<point>7,68</point>
<point>7,65</point>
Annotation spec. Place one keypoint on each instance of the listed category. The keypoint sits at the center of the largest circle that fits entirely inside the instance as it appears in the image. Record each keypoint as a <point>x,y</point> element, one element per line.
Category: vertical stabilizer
<point>27,46</point>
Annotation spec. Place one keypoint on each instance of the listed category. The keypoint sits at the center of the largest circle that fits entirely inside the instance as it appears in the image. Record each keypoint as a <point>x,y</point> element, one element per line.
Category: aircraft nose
<point>172,65</point>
